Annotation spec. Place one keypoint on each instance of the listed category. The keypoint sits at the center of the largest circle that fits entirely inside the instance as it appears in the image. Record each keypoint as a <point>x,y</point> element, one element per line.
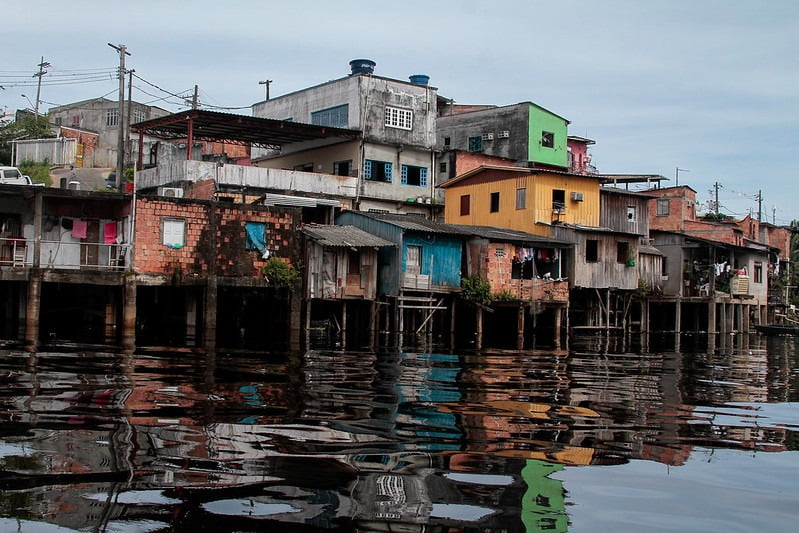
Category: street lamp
<point>29,101</point>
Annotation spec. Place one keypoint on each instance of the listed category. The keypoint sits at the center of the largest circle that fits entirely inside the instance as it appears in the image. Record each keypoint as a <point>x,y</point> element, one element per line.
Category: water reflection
<point>389,441</point>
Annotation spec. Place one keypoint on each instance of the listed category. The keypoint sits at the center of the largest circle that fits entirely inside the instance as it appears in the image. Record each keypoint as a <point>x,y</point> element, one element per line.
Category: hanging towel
<point>79,229</point>
<point>110,233</point>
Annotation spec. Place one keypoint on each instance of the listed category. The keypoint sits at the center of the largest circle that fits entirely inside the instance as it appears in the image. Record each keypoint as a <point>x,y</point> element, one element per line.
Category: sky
<point>710,87</point>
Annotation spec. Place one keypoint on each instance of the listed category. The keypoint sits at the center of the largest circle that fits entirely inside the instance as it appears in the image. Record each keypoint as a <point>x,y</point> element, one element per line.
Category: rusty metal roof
<point>236,129</point>
<point>344,236</point>
<point>494,233</point>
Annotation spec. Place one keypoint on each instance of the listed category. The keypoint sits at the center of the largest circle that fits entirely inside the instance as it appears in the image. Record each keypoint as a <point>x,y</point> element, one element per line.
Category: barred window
<point>399,118</point>
<point>111,117</point>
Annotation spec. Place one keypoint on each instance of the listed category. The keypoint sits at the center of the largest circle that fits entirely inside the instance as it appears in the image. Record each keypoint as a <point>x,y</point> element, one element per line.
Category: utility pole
<point>716,203</point>
<point>194,99</point>
<point>267,83</point>
<point>42,65</point>
<point>128,148</point>
<point>774,214</point>
<point>121,118</point>
<point>760,205</point>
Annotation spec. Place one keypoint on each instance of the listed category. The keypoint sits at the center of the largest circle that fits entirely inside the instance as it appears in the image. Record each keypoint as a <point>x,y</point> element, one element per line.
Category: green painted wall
<point>541,120</point>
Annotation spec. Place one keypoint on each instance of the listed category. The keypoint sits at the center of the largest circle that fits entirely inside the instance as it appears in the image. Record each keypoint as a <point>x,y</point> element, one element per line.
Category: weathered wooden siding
<point>390,259</point>
<point>606,272</point>
<point>650,270</point>
<point>362,285</point>
<point>615,212</point>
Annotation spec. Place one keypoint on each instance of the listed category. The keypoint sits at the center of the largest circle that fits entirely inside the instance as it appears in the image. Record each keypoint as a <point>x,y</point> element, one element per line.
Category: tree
<point>27,127</point>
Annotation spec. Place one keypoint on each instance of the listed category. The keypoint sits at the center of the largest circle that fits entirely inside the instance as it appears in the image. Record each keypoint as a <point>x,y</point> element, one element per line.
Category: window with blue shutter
<point>377,170</point>
<point>416,176</point>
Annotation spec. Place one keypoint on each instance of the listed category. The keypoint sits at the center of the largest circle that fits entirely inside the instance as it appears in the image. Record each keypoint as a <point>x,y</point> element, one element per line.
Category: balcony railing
<point>18,252</point>
<point>13,252</point>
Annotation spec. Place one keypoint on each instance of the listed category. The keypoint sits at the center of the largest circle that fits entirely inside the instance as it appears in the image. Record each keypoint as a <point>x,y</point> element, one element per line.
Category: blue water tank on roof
<point>362,66</point>
<point>419,79</point>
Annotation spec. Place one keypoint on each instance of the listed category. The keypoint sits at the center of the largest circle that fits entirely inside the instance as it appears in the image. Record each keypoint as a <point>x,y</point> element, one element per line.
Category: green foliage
<point>281,274</point>
<point>28,127</point>
<point>39,172</point>
<point>476,290</point>
<point>644,288</point>
<point>714,216</point>
<point>128,173</point>
<point>503,296</point>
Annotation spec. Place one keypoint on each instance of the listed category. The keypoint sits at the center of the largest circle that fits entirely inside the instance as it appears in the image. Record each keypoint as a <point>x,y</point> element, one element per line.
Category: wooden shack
<point>341,265</point>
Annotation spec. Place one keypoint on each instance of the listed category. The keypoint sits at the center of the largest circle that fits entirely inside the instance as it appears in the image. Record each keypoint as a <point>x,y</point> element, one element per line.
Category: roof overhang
<point>237,129</point>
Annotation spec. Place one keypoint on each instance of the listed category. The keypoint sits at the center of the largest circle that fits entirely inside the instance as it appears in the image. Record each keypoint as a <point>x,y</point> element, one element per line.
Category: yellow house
<point>523,199</point>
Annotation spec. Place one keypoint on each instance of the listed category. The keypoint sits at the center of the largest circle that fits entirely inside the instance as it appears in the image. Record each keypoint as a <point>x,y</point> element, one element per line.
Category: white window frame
<point>173,232</point>
<point>111,117</point>
<point>396,117</point>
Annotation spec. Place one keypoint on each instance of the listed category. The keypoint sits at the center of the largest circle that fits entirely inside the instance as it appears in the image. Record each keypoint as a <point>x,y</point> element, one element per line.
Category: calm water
<point>539,441</point>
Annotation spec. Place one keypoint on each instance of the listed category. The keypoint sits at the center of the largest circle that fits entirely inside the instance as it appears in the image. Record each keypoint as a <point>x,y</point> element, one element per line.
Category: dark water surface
<point>535,441</point>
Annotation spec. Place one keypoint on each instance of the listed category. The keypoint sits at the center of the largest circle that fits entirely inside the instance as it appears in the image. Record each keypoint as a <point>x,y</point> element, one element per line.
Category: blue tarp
<point>255,236</point>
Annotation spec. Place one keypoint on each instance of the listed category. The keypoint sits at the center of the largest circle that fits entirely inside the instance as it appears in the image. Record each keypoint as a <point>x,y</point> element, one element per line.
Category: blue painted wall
<point>441,257</point>
<point>441,254</point>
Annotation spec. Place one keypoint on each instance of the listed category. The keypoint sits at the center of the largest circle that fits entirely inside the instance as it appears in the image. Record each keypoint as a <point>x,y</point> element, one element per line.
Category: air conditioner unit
<point>171,192</point>
<point>488,136</point>
<point>578,197</point>
<point>503,134</point>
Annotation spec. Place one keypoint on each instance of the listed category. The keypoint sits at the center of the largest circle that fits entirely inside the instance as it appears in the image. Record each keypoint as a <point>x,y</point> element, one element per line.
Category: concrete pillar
<point>723,319</point>
<point>730,317</point>
<point>32,310</point>
<point>452,325</point>
<point>191,317</point>
<point>764,314</point>
<point>307,336</point>
<point>209,318</point>
<point>295,319</point>
<point>520,327</point>
<point>558,323</point>
<point>344,325</point>
<point>478,342</point>
<point>745,317</point>
<point>400,323</point>
<point>740,317</point>
<point>128,336</point>
<point>677,324</point>
<point>711,316</point>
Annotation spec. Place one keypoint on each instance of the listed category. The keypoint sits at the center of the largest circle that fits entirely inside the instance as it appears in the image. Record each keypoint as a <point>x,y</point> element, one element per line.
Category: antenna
<point>677,171</point>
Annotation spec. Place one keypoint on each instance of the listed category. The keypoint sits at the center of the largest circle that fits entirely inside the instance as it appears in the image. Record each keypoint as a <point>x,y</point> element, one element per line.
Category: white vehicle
<point>12,176</point>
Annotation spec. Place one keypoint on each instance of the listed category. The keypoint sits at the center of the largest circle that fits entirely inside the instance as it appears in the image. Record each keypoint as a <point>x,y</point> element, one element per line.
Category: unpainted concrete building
<point>394,160</point>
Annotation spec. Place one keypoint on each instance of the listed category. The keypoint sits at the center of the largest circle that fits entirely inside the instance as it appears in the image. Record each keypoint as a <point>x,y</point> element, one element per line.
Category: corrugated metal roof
<point>416,223</point>
<point>649,250</point>
<point>344,236</point>
<point>298,201</point>
<point>511,235</point>
<point>236,129</point>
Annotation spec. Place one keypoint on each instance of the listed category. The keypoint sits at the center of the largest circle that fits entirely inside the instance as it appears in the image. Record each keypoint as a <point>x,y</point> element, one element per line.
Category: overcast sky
<point>708,86</point>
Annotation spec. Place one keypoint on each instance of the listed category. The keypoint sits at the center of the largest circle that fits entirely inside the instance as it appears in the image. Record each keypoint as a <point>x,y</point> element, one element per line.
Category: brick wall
<point>682,202</point>
<point>195,258</point>
<point>201,190</point>
<point>497,269</point>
